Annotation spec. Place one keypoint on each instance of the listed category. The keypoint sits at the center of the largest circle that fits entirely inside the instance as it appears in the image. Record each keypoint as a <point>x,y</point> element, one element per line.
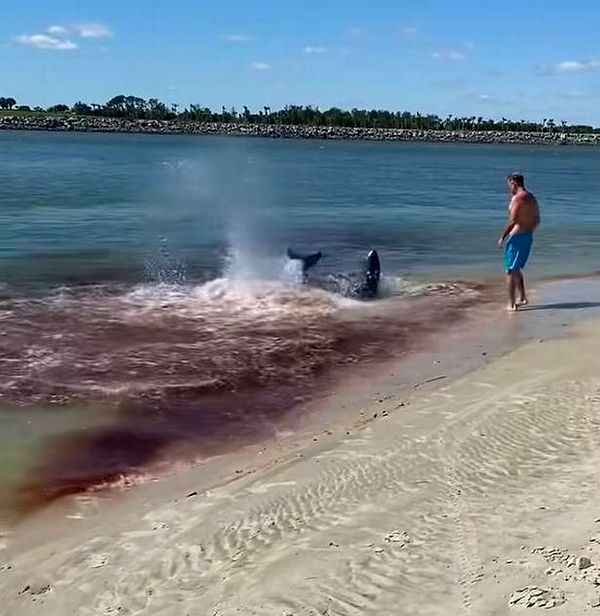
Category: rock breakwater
<point>286,131</point>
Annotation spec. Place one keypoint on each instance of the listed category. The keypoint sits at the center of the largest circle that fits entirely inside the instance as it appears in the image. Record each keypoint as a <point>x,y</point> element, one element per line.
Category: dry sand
<point>478,497</point>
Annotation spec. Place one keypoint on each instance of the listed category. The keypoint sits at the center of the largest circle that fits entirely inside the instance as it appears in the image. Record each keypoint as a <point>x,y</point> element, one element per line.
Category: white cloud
<point>261,66</point>
<point>57,30</point>
<point>578,95</point>
<point>408,31</point>
<point>488,99</point>
<point>236,38</point>
<point>93,30</point>
<point>315,50</point>
<point>44,41</point>
<point>572,67</point>
<point>55,37</point>
<point>452,54</point>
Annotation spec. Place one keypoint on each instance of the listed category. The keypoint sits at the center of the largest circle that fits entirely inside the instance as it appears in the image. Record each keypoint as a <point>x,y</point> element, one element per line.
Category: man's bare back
<point>524,212</point>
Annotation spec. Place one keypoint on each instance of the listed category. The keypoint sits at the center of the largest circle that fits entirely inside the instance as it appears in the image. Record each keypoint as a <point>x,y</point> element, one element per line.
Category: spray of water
<point>164,267</point>
<point>232,190</point>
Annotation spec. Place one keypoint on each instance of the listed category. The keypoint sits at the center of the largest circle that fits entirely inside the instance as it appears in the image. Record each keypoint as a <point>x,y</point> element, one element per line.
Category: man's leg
<point>521,287</point>
<point>511,279</point>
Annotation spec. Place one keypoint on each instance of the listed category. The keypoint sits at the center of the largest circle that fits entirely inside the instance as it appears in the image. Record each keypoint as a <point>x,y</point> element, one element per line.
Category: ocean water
<point>89,207</point>
<point>148,311</point>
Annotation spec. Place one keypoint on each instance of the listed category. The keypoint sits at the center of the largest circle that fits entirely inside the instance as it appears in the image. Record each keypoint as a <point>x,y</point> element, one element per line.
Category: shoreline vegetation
<point>130,114</point>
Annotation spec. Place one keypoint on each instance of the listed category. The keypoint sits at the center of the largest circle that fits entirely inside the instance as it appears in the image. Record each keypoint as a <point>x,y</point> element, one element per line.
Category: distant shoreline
<point>287,131</point>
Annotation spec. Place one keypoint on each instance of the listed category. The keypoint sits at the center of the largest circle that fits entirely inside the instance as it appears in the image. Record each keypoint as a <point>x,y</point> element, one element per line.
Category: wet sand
<point>463,481</point>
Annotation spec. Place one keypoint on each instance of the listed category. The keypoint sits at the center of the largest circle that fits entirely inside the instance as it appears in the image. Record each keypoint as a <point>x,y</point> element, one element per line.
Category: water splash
<point>164,267</point>
<point>293,272</point>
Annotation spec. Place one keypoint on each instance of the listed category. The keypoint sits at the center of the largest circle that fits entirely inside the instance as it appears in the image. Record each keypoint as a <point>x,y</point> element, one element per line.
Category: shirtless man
<point>523,219</point>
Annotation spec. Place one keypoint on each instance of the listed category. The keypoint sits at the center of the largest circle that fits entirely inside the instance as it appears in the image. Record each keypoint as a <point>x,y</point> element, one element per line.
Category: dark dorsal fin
<point>369,284</point>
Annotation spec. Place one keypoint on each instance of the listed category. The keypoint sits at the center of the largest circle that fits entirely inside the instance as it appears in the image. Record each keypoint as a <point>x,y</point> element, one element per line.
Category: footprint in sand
<point>534,596</point>
<point>96,561</point>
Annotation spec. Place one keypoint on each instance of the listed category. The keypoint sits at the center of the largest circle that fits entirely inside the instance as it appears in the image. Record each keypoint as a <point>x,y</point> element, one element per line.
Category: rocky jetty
<point>285,131</point>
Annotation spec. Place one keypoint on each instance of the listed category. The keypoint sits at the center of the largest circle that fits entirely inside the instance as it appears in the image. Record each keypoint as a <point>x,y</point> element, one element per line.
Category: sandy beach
<point>466,493</point>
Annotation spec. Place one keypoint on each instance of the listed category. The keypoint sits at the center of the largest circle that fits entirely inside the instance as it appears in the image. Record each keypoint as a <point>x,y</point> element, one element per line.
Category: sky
<point>520,59</point>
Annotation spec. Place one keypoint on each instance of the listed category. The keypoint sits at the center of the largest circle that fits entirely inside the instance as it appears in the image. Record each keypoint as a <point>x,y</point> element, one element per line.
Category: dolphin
<point>307,260</point>
<point>371,274</point>
<point>363,285</point>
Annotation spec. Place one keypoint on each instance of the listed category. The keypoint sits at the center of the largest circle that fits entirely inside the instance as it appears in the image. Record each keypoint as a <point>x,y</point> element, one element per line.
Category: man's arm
<point>512,219</point>
<point>538,218</point>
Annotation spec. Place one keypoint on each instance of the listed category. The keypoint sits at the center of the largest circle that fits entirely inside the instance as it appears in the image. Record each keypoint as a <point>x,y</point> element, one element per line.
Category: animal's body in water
<point>362,285</point>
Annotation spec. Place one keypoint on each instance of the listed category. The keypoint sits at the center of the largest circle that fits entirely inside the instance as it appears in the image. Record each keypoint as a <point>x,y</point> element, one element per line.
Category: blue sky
<point>523,60</point>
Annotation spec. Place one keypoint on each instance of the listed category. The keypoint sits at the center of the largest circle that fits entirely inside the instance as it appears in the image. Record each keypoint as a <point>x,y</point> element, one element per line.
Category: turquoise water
<point>147,307</point>
<point>90,207</point>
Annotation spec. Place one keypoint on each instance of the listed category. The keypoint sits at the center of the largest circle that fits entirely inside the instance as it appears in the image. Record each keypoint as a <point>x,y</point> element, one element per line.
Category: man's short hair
<point>517,178</point>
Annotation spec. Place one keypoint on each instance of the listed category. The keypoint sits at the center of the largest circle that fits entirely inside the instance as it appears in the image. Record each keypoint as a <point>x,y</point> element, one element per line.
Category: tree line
<point>7,103</point>
<point>134,107</point>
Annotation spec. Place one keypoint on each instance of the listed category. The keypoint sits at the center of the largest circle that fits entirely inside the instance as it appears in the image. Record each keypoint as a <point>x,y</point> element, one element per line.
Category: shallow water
<point>77,208</point>
<point>193,368</point>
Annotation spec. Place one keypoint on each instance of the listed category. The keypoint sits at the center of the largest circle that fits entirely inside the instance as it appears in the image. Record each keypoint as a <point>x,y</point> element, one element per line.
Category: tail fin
<point>307,260</point>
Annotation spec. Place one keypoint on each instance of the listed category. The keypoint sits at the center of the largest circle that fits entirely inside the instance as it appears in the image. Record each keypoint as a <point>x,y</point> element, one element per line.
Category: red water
<point>196,369</point>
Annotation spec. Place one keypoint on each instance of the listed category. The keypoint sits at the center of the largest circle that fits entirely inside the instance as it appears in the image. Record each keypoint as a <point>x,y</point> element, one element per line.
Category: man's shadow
<point>562,306</point>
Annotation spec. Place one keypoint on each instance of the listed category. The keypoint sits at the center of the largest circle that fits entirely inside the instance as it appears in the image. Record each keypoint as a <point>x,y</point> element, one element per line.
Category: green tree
<point>157,110</point>
<point>134,107</point>
<point>80,108</point>
<point>115,107</point>
<point>58,108</point>
<point>7,103</point>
